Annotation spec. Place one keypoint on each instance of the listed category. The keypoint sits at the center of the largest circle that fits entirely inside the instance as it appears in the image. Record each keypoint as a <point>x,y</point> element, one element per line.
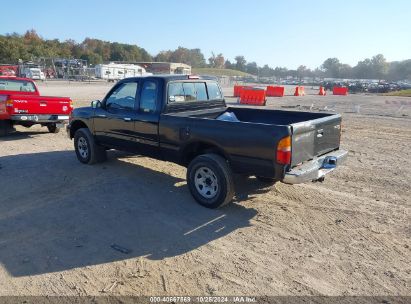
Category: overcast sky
<point>278,33</point>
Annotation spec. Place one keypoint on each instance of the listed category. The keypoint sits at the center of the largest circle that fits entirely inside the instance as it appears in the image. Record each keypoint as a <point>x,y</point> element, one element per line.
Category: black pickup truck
<point>184,119</point>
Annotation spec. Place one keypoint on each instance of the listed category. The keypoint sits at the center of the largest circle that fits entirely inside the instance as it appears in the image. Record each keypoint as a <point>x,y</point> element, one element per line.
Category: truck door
<point>114,121</point>
<point>146,123</point>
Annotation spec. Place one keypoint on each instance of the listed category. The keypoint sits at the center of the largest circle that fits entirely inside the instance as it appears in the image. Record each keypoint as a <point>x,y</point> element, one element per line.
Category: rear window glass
<point>176,92</point>
<point>16,85</point>
<point>192,91</point>
<point>214,91</point>
<point>201,90</point>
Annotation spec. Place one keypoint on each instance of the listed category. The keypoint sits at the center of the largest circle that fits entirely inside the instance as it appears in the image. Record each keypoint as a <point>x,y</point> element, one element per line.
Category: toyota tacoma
<point>184,119</point>
<point>22,104</point>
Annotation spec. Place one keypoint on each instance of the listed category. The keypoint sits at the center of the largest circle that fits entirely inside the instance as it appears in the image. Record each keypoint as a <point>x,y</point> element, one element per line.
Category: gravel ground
<point>349,235</point>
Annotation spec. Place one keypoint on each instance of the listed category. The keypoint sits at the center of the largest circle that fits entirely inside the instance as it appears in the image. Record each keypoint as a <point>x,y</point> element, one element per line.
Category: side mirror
<point>96,104</point>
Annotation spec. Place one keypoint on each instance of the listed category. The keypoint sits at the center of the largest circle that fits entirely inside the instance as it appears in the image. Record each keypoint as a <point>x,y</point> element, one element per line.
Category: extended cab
<point>184,119</point>
<point>22,104</point>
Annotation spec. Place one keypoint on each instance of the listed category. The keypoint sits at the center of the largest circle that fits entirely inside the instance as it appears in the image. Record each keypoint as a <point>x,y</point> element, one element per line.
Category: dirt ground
<point>349,235</point>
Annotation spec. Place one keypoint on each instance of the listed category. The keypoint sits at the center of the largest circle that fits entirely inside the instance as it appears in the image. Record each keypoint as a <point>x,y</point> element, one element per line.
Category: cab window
<point>123,97</point>
<point>148,99</point>
<point>16,85</point>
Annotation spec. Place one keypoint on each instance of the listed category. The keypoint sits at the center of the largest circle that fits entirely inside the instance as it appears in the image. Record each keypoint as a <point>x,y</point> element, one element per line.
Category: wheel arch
<point>75,125</point>
<point>194,149</point>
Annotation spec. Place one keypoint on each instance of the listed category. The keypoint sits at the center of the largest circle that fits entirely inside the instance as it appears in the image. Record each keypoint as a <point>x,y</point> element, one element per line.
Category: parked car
<point>22,104</point>
<point>184,119</point>
<point>32,73</point>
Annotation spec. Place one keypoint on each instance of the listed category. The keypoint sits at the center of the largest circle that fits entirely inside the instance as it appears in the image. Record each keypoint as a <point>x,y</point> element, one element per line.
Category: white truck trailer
<point>116,71</point>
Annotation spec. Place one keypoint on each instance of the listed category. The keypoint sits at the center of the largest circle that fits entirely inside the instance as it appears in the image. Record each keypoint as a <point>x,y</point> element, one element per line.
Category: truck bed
<point>29,104</point>
<point>313,133</point>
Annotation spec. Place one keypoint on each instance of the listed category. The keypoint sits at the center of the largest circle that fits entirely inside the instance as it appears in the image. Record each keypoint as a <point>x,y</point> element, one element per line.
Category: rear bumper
<point>43,118</point>
<point>315,169</point>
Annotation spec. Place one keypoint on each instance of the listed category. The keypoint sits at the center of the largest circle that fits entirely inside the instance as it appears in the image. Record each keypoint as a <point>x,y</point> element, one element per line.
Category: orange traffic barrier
<point>322,91</point>
<point>275,91</point>
<point>340,91</point>
<point>238,89</point>
<point>299,91</point>
<point>253,97</point>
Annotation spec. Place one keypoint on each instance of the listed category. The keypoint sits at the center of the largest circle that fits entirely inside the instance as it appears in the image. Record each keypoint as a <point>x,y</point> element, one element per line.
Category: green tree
<point>280,72</point>
<point>240,63</point>
<point>331,67</point>
<point>266,71</point>
<point>346,71</point>
<point>399,70</point>
<point>163,56</point>
<point>92,58</point>
<point>216,61</point>
<point>12,49</point>
<point>228,64</point>
<point>363,69</point>
<point>302,72</point>
<point>379,66</point>
<point>192,57</point>
<point>252,68</point>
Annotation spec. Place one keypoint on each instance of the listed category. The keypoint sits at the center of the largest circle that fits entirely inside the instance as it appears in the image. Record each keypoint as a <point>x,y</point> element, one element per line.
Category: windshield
<point>16,85</point>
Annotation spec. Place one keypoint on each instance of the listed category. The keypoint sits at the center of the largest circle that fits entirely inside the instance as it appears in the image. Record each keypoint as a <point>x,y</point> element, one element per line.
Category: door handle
<point>101,115</point>
<point>127,119</point>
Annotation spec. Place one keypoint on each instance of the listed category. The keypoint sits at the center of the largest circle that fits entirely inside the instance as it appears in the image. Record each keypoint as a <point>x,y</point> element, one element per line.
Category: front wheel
<point>210,180</point>
<point>87,151</point>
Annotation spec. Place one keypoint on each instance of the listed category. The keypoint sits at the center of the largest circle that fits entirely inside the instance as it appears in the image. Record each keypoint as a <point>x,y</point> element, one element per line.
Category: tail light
<point>9,103</point>
<point>5,98</point>
<point>284,151</point>
<point>71,104</point>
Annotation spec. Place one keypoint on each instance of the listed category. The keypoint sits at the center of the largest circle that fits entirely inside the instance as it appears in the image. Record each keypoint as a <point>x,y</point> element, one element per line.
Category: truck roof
<point>169,77</point>
<point>15,78</point>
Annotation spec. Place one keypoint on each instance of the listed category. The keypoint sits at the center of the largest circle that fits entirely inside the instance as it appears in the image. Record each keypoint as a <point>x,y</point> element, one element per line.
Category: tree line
<point>30,45</point>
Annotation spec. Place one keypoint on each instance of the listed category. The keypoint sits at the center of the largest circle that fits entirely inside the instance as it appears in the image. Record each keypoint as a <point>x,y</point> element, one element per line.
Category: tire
<point>5,127</point>
<point>210,181</point>
<point>87,151</point>
<point>266,180</point>
<point>53,128</point>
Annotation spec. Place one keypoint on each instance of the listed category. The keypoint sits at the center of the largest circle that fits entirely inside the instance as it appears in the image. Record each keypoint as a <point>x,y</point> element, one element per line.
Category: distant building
<point>165,67</point>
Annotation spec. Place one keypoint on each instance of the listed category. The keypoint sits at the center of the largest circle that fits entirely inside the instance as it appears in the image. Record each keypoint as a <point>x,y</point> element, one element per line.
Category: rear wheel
<point>210,181</point>
<point>53,128</point>
<point>5,127</point>
<point>87,151</point>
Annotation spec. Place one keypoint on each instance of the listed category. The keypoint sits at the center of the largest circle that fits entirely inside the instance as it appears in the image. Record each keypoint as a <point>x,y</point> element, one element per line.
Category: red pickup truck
<point>21,104</point>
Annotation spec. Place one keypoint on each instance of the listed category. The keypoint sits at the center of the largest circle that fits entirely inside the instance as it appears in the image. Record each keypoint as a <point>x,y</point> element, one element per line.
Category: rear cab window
<point>17,85</point>
<point>193,91</point>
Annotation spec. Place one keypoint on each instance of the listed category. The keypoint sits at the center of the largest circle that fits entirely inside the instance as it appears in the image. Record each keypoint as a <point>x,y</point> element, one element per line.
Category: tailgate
<point>41,105</point>
<point>315,137</point>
